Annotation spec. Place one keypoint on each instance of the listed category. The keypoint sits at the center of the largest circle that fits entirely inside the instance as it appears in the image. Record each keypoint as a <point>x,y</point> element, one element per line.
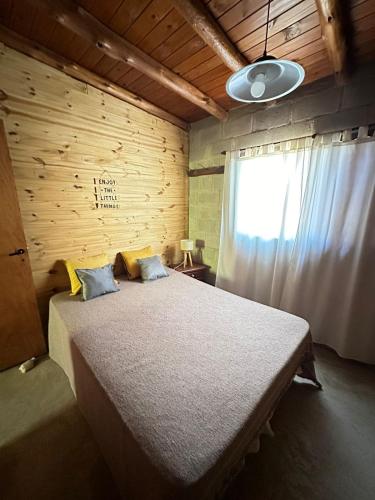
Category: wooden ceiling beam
<point>82,23</point>
<point>46,56</point>
<point>337,32</point>
<point>202,21</point>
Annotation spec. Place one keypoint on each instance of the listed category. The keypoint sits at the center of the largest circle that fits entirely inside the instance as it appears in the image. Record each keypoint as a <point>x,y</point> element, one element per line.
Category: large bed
<point>176,378</point>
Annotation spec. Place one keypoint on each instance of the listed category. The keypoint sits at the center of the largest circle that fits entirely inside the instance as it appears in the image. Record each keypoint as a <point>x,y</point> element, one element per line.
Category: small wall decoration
<point>105,191</point>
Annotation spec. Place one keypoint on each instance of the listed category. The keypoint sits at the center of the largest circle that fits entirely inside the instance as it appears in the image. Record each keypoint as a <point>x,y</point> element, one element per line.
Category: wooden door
<point>21,335</point>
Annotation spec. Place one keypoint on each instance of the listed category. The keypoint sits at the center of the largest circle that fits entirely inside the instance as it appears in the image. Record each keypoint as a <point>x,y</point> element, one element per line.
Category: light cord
<point>268,19</point>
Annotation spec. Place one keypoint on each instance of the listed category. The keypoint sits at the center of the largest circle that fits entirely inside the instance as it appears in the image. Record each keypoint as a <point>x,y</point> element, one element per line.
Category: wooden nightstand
<point>197,271</point>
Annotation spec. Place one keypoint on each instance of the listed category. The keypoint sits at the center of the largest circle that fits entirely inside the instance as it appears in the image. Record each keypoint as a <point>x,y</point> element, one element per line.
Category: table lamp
<point>187,246</point>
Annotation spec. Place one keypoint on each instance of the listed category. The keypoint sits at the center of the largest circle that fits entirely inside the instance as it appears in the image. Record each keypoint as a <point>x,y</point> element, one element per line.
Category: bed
<point>176,378</point>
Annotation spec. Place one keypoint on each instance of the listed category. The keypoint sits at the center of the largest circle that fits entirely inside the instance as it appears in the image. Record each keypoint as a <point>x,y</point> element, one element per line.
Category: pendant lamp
<point>266,79</point>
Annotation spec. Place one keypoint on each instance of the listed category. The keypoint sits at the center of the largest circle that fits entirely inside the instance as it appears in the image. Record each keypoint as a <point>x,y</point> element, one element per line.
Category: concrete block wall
<point>205,199</point>
<point>321,107</point>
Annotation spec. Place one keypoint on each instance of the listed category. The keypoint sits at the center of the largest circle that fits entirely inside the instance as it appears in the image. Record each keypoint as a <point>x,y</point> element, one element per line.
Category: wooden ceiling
<point>155,27</point>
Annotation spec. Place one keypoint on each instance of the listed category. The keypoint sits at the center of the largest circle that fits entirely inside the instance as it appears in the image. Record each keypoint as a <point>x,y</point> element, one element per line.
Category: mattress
<point>176,379</point>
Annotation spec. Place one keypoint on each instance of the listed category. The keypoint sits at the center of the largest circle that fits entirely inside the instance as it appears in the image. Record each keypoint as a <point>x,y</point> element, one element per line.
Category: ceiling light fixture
<point>266,79</point>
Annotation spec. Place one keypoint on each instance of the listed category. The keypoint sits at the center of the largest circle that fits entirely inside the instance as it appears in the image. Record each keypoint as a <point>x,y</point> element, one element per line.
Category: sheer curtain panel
<point>298,233</point>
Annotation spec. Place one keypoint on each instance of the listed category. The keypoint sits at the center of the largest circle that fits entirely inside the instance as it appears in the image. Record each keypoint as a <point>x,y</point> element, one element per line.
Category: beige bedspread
<point>175,377</point>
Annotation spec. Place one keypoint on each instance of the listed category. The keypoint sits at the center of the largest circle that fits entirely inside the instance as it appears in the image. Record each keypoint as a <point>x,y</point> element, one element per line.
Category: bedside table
<point>197,271</point>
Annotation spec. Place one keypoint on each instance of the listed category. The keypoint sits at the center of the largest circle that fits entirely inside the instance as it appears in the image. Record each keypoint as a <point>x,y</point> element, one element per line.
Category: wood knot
<point>39,160</point>
<point>292,31</point>
<point>5,109</point>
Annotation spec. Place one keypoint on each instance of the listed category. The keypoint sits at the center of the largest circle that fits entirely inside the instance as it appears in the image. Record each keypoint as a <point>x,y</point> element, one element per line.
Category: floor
<point>323,449</point>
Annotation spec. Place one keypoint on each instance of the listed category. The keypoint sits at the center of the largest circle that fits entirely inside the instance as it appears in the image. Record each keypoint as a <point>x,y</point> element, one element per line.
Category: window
<point>269,195</point>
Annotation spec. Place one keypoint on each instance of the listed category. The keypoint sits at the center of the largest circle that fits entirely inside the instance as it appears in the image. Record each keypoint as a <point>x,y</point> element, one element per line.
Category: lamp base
<point>187,256</point>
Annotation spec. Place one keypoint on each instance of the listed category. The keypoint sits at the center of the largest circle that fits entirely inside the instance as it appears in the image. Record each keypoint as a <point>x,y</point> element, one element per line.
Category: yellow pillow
<point>83,263</point>
<point>130,258</point>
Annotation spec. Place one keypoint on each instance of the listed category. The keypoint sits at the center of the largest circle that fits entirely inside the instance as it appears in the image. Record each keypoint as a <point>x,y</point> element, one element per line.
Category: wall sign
<point>105,191</point>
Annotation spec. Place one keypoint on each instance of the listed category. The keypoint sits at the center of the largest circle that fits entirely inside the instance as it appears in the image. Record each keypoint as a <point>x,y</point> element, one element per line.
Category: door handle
<point>19,251</point>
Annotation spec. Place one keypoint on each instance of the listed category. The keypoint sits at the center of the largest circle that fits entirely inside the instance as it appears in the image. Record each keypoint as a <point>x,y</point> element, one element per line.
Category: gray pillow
<point>97,281</point>
<point>152,268</point>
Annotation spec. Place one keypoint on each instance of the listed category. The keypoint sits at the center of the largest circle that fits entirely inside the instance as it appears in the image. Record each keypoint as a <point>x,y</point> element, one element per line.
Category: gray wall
<point>321,107</point>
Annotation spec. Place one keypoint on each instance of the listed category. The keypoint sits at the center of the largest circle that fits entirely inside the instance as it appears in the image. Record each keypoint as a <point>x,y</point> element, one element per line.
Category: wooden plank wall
<point>63,134</point>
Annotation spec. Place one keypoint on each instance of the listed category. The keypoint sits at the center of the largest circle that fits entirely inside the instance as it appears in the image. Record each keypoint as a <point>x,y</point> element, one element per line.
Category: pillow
<point>152,268</point>
<point>83,263</point>
<point>97,281</point>
<point>131,257</point>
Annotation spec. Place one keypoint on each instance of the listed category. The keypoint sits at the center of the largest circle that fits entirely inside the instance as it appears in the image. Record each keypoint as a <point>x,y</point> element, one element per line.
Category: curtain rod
<point>273,142</point>
<point>354,130</point>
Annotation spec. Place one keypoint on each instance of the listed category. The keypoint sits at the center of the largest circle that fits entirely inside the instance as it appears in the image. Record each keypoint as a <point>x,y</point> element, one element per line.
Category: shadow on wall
<point>199,245</point>
<point>199,259</point>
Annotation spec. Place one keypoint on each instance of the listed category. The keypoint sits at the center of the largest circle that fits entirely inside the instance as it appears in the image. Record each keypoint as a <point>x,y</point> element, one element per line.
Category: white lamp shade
<point>265,80</point>
<point>187,245</point>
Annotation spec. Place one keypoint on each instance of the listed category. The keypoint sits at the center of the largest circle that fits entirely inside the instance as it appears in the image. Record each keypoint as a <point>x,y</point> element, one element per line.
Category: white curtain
<point>298,233</point>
